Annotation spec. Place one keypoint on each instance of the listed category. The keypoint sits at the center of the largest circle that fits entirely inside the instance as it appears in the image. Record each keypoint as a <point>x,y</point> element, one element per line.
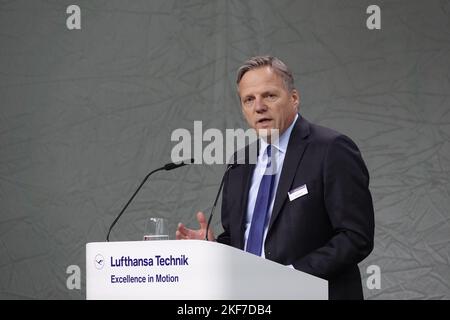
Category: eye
<point>248,100</point>
<point>271,96</point>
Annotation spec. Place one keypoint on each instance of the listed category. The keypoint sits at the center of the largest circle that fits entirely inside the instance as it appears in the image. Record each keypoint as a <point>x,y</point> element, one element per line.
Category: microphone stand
<point>217,197</point>
<point>167,167</point>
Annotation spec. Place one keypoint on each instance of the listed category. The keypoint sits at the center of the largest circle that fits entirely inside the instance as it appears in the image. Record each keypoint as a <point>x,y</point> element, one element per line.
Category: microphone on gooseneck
<point>167,167</point>
<point>230,166</point>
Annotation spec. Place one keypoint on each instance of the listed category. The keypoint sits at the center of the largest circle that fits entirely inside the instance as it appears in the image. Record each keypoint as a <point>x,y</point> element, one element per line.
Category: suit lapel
<point>243,189</point>
<point>247,178</point>
<point>294,153</point>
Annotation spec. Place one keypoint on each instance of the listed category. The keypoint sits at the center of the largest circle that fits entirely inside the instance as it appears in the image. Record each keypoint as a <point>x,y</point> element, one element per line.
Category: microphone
<point>167,167</point>
<point>230,166</point>
<point>242,156</point>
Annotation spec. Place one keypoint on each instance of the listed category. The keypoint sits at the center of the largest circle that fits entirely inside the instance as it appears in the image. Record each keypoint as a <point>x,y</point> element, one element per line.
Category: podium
<point>191,270</point>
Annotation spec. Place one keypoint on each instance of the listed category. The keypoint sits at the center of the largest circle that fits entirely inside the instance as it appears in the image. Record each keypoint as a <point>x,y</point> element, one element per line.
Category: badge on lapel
<point>297,192</point>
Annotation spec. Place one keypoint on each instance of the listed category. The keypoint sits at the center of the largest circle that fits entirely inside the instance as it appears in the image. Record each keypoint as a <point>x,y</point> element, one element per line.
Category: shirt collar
<point>283,141</point>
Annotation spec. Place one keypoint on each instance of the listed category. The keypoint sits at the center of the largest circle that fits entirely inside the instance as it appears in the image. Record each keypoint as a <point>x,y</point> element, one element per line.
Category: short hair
<point>276,64</point>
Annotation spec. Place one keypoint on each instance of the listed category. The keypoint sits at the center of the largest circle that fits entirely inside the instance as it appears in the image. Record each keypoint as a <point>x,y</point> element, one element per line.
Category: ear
<point>244,117</point>
<point>295,97</point>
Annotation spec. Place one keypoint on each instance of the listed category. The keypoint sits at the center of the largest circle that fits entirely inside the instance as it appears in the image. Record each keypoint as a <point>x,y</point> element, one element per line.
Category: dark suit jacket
<point>326,232</point>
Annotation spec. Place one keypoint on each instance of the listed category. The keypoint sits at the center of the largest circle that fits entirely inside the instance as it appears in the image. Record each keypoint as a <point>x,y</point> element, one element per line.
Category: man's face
<point>265,100</point>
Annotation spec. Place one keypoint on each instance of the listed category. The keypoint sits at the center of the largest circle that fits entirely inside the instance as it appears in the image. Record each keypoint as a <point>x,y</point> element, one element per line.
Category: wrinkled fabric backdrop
<point>86,114</point>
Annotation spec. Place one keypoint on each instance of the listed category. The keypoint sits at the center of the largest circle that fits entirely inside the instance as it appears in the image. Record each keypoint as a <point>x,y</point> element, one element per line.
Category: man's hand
<point>184,233</point>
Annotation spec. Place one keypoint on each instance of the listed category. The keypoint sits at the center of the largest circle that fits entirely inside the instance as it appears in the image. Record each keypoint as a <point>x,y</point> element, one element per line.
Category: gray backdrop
<point>85,114</point>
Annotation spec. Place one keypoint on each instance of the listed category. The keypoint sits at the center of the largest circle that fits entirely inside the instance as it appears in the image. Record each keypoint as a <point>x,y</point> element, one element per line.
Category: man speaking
<point>315,212</point>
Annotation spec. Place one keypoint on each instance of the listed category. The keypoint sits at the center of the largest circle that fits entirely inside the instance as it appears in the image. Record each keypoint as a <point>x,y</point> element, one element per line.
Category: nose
<point>260,105</point>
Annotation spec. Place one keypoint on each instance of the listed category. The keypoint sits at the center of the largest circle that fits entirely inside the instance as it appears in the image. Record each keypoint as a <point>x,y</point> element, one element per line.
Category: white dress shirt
<point>279,152</point>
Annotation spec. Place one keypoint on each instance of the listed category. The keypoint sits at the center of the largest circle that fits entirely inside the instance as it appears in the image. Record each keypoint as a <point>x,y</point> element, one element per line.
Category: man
<point>319,217</point>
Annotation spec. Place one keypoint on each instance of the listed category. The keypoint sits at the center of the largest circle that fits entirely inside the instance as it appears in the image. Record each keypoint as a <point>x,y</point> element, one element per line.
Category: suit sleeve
<point>348,203</point>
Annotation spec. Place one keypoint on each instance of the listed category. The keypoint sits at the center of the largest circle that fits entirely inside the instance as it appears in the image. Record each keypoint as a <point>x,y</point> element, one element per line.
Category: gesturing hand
<point>184,233</point>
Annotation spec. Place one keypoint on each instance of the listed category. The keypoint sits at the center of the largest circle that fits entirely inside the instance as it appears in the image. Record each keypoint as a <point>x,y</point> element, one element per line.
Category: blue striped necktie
<point>262,204</point>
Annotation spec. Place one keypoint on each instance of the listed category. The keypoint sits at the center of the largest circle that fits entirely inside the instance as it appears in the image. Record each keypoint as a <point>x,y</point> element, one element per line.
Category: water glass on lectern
<point>156,229</point>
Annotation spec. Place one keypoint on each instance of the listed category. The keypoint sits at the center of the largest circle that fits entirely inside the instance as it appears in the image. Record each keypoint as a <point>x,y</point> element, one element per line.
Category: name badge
<point>298,192</point>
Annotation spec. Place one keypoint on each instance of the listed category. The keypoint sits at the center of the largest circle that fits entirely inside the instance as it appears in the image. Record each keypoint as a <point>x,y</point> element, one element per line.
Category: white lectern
<point>191,270</point>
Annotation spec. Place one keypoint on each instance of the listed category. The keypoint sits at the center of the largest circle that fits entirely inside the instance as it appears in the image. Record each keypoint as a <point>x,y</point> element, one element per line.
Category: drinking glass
<point>156,229</point>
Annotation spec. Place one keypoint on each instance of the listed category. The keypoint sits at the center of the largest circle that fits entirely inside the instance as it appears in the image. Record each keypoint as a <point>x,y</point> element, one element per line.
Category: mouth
<point>263,121</point>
